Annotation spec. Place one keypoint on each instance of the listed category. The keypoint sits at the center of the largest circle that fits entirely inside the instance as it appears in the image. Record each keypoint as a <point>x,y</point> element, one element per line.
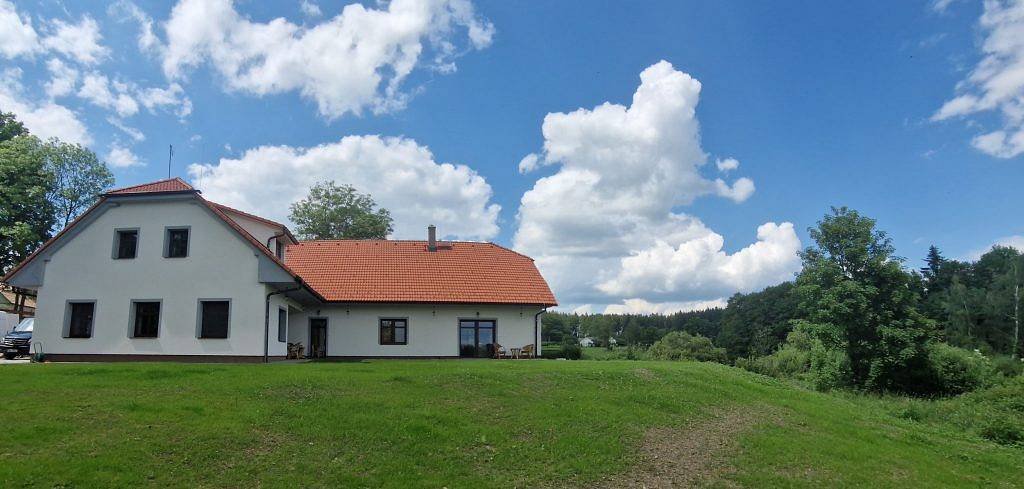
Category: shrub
<point>829,367</point>
<point>572,351</point>
<point>956,370</point>
<point>787,362</point>
<point>1007,365</point>
<point>1003,431</point>
<point>551,352</point>
<point>680,345</point>
<point>636,352</point>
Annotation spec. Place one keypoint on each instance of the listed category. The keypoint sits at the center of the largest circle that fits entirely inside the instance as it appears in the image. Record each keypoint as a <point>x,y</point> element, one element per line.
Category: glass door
<point>317,337</point>
<point>476,338</point>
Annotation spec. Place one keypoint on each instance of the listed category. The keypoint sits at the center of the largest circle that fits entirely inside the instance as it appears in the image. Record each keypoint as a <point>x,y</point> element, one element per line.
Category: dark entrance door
<point>317,337</point>
<point>476,338</point>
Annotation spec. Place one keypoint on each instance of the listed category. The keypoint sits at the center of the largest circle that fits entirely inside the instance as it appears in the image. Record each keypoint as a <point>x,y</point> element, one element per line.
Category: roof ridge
<point>349,240</point>
<point>146,184</point>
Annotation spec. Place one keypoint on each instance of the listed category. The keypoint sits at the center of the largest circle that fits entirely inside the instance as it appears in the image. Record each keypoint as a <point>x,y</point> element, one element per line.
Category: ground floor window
<point>476,338</point>
<point>394,331</point>
<point>214,316</point>
<point>80,316</point>
<point>145,319</point>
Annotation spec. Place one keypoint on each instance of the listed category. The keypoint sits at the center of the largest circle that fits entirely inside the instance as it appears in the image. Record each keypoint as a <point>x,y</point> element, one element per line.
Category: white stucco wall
<point>258,229</point>
<point>7,321</point>
<point>219,266</point>
<point>433,330</point>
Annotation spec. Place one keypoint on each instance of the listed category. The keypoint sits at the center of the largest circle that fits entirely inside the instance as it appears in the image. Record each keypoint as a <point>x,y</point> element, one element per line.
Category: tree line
<point>44,185</point>
<point>856,316</point>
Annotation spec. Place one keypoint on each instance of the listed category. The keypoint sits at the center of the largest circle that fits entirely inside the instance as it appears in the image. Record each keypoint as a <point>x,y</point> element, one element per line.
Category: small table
<point>516,352</point>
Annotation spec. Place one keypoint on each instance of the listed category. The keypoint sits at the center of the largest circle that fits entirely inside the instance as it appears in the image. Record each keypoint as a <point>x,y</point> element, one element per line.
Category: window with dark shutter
<point>147,319</point>
<point>214,319</point>
<point>177,243</point>
<point>80,322</point>
<point>127,244</point>
<point>394,331</point>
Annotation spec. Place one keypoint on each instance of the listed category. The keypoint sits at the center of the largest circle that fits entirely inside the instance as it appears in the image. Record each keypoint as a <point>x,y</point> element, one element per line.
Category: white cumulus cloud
<point>122,157</point>
<point>641,306</point>
<point>727,165</point>
<point>997,82</point>
<point>401,176</point>
<point>45,119</point>
<point>123,11</point>
<point>353,61</point>
<point>63,78</point>
<point>602,224</point>
<point>80,41</point>
<point>17,36</point>
<point>309,9</point>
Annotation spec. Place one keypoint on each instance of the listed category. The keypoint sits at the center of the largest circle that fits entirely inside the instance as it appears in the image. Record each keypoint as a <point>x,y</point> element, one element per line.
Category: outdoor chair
<point>500,351</point>
<point>528,351</point>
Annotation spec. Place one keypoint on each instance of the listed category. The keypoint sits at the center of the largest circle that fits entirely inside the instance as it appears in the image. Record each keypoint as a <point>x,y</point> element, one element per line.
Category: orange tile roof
<point>379,270</point>
<point>405,271</point>
<point>161,186</point>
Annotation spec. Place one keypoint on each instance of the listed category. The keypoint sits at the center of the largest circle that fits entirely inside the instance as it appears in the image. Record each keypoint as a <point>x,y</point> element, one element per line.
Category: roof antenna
<point>170,154</point>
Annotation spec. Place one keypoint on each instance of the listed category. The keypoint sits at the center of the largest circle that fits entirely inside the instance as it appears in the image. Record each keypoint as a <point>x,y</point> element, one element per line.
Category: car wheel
<point>10,356</point>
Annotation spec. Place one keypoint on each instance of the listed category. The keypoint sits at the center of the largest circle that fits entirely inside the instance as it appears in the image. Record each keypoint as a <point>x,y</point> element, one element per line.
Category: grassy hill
<point>470,424</point>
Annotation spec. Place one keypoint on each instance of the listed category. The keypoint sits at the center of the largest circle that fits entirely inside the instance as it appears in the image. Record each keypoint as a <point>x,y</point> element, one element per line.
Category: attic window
<point>279,249</point>
<point>126,244</point>
<point>176,243</point>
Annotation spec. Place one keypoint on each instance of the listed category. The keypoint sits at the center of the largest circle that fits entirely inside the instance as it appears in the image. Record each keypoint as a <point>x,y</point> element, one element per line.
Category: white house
<point>157,272</point>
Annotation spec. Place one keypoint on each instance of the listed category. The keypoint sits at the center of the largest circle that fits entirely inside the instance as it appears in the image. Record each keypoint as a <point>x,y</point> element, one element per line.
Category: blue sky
<point>821,103</point>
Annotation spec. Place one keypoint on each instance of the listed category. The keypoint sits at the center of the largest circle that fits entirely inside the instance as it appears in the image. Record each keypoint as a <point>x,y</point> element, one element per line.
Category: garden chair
<point>500,351</point>
<point>528,351</point>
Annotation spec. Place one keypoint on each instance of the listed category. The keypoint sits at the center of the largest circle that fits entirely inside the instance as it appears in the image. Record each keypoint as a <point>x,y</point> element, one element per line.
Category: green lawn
<point>455,424</point>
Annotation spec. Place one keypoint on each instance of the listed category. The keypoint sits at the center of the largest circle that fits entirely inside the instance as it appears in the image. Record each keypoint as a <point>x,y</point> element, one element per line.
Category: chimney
<point>431,238</point>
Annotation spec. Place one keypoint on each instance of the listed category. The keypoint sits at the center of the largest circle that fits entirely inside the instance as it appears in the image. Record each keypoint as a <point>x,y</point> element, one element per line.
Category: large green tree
<point>859,300</point>
<point>26,215</point>
<point>339,212</point>
<point>79,177</point>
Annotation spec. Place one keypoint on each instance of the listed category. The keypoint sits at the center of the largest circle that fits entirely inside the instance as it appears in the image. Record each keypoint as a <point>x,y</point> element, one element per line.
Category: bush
<point>787,362</point>
<point>1007,365</point>
<point>572,351</point>
<point>680,345</point>
<point>829,367</point>
<point>568,349</point>
<point>956,370</point>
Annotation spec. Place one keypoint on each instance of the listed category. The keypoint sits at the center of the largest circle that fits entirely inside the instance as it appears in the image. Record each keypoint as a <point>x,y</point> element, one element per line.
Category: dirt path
<point>690,456</point>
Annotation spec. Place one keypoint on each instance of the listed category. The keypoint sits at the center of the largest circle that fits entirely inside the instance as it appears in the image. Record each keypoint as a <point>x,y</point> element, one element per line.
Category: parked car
<point>18,340</point>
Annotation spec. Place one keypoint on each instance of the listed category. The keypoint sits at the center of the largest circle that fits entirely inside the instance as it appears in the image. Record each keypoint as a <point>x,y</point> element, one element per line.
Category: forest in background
<point>856,316</point>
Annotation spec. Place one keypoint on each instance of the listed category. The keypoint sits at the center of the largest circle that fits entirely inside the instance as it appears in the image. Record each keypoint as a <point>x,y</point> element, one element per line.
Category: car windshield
<point>25,326</point>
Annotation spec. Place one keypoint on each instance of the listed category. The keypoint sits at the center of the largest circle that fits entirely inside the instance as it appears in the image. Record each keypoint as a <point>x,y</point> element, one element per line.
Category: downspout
<point>266,321</point>
<point>536,329</point>
<point>278,235</point>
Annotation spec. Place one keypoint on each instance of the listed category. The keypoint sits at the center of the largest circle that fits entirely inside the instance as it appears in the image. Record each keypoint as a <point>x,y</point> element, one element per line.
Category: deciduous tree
<point>339,212</point>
